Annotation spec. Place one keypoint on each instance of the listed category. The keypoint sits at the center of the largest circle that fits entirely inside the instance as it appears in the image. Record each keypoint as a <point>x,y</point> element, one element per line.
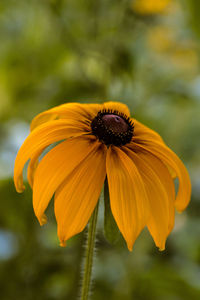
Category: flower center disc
<point>112,128</point>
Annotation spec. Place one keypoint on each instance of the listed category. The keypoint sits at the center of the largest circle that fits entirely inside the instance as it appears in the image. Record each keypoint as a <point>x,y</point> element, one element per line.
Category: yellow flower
<point>99,140</point>
<point>148,7</point>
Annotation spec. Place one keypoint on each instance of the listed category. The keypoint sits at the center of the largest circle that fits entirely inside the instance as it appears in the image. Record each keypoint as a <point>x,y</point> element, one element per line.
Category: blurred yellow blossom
<point>185,59</point>
<point>160,38</point>
<point>180,52</point>
<point>148,7</point>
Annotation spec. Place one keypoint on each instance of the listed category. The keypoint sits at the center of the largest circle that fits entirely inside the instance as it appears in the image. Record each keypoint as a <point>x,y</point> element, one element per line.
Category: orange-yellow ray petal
<point>118,106</point>
<point>75,111</point>
<point>39,139</point>
<point>164,175</point>
<point>169,158</point>
<point>160,190</point>
<point>141,132</point>
<point>56,165</point>
<point>77,197</point>
<point>128,198</point>
<point>34,161</point>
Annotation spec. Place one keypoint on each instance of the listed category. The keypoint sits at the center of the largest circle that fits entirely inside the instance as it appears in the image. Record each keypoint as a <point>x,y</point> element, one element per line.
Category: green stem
<point>89,253</point>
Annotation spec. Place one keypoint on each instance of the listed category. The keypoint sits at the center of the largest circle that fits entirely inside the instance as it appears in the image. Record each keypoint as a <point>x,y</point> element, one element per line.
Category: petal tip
<point>161,247</point>
<point>20,189</point>
<point>43,220</point>
<point>62,243</point>
<point>130,247</point>
<point>19,184</point>
<point>180,208</point>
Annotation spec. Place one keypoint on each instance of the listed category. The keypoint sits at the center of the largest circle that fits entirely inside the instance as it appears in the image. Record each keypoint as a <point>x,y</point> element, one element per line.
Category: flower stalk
<point>89,256</point>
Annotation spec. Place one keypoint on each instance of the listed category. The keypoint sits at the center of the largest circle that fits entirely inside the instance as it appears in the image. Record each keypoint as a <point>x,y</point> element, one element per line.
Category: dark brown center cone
<point>115,123</point>
<point>112,128</point>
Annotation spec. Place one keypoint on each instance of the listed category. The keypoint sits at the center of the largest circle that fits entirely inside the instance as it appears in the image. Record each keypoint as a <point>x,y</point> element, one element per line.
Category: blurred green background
<point>143,53</point>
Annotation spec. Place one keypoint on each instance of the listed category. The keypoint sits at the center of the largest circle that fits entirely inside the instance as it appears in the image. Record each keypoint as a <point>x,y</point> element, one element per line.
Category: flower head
<point>99,140</point>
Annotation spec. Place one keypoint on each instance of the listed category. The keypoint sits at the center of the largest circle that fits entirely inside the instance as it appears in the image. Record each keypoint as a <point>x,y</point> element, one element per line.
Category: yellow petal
<point>77,197</point>
<point>75,111</point>
<point>143,133</point>
<point>166,180</point>
<point>56,165</point>
<point>160,190</point>
<point>128,198</point>
<point>32,166</point>
<point>169,158</point>
<point>118,106</point>
<point>39,139</point>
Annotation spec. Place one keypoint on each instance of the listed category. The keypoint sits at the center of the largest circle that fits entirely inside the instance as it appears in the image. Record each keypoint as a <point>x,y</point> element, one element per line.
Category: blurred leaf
<point>194,7</point>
